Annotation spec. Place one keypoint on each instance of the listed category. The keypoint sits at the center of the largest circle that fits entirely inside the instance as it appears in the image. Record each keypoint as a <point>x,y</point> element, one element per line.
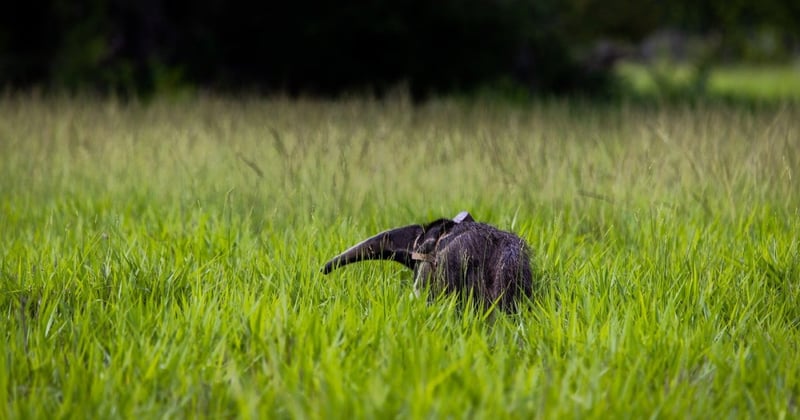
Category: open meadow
<point>163,259</point>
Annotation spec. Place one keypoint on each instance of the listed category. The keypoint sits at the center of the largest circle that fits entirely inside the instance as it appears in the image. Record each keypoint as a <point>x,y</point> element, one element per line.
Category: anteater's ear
<point>464,216</point>
<point>395,245</point>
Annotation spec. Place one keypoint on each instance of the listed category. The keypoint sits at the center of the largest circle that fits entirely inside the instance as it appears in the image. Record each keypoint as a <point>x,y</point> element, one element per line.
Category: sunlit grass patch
<point>779,82</point>
<point>738,82</point>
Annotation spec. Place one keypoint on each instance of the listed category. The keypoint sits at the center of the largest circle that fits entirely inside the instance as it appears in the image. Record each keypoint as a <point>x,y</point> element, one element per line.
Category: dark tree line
<point>319,47</point>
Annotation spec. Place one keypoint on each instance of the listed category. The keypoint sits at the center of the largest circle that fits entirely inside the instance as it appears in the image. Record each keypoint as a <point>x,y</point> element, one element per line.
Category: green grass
<point>766,83</point>
<point>162,260</point>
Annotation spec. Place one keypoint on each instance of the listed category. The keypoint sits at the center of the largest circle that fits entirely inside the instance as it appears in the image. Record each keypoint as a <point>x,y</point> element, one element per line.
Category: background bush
<point>327,48</point>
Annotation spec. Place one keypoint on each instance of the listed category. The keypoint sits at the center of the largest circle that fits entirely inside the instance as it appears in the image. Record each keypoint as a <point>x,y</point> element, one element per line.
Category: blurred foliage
<point>326,48</point>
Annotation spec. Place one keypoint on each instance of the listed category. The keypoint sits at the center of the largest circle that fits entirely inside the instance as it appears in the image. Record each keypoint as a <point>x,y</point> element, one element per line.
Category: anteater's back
<point>494,265</point>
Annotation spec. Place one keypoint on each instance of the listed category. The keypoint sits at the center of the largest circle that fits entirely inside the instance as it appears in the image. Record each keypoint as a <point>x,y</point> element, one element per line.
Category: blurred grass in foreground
<point>162,260</point>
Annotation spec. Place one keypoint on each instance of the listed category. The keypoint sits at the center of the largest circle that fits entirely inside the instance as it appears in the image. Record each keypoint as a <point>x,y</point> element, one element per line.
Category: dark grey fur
<point>453,256</point>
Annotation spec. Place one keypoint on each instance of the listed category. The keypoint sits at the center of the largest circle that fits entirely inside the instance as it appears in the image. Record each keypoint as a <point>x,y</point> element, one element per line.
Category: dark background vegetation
<point>327,48</point>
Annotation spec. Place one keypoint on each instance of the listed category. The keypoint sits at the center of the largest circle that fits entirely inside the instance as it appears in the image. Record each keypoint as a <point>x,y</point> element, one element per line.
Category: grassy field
<point>162,260</point>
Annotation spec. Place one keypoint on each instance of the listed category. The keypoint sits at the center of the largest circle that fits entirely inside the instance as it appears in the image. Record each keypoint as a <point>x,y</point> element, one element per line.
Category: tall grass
<point>162,259</point>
